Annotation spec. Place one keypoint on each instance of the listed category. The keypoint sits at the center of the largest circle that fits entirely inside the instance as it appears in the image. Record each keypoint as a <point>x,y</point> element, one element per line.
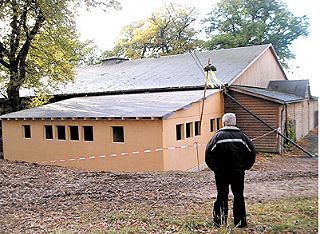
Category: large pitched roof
<point>159,105</point>
<point>179,71</point>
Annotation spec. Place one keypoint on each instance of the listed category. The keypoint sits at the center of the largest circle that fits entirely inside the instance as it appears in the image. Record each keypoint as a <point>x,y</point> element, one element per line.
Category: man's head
<point>229,119</point>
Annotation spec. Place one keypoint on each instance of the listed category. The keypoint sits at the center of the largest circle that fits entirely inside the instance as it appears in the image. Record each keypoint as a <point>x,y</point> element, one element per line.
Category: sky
<point>104,27</point>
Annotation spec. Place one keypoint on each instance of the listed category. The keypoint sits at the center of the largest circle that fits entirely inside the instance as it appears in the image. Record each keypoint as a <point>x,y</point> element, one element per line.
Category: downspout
<point>285,127</point>
<point>286,119</point>
<point>282,128</point>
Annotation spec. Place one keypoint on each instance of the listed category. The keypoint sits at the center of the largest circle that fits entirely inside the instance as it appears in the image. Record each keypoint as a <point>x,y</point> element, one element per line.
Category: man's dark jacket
<point>230,149</point>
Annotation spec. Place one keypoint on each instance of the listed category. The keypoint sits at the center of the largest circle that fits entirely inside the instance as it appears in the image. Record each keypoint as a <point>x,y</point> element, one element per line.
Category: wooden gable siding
<point>264,69</point>
<point>266,110</point>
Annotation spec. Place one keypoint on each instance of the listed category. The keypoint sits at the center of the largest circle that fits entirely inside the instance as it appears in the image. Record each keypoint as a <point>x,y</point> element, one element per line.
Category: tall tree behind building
<point>235,23</point>
<point>39,44</point>
<point>168,31</point>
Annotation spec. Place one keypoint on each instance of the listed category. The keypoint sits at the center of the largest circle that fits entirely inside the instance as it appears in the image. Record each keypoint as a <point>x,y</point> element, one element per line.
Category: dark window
<point>48,132</point>
<point>74,133</point>
<point>61,132</point>
<point>179,132</point>
<point>88,133</point>
<point>27,131</point>
<point>189,130</point>
<point>212,125</point>
<point>218,123</point>
<point>118,134</point>
<point>197,128</point>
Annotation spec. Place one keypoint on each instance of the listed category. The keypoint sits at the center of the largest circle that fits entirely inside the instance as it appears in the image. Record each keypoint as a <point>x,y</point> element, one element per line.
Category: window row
<point>194,128</point>
<point>183,131</point>
<point>73,132</point>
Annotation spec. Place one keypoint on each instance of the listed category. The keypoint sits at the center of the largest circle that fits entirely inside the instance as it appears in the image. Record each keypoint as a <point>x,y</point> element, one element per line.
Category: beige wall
<point>139,135</point>
<point>313,117</point>
<point>186,158</point>
<point>261,72</point>
<point>303,113</point>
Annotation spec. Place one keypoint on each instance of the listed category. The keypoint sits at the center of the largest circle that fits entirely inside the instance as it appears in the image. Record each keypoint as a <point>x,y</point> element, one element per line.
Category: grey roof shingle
<point>112,106</point>
<point>296,87</point>
<point>164,72</point>
<point>276,96</point>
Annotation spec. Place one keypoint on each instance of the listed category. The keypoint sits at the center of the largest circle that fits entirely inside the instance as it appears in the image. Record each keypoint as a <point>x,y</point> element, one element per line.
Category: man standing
<point>229,153</point>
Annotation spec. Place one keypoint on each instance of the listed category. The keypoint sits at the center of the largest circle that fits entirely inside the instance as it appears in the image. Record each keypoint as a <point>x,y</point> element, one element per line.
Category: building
<point>144,115</point>
<point>285,105</point>
<point>132,132</point>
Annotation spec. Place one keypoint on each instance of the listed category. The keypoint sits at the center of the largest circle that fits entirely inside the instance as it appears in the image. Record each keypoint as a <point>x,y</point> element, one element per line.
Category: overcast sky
<point>104,29</point>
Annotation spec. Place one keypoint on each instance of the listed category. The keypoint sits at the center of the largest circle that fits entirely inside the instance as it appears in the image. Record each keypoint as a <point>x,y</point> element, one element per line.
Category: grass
<point>296,215</point>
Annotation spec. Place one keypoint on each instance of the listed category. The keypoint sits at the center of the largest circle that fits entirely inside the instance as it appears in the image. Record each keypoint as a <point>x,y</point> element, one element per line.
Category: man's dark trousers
<point>224,178</point>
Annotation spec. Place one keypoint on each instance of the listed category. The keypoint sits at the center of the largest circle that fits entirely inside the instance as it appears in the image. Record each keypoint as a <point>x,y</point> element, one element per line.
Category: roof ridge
<point>249,46</point>
<point>187,53</point>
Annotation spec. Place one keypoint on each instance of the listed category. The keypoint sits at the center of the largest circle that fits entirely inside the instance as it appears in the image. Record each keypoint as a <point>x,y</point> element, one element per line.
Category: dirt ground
<point>34,197</point>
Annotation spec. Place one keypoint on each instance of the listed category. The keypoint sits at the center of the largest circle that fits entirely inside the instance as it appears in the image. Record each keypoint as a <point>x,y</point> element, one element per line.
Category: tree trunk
<point>13,91</point>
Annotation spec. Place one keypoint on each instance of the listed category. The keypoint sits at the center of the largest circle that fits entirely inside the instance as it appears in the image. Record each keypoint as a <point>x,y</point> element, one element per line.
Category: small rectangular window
<point>88,133</point>
<point>118,134</point>
<point>197,128</point>
<point>27,131</point>
<point>218,120</point>
<point>74,133</point>
<point>213,125</point>
<point>48,132</point>
<point>179,132</point>
<point>61,132</point>
<point>189,130</point>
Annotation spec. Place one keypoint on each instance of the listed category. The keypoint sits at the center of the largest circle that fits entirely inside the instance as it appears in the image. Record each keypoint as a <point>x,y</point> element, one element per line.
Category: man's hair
<point>229,119</point>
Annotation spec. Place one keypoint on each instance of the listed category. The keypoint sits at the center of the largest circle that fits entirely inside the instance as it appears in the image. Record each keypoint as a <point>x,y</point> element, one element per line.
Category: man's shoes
<point>241,224</point>
<point>217,225</point>
<point>219,221</point>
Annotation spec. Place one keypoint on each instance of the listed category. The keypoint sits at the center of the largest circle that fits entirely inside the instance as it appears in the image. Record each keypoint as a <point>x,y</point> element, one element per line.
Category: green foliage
<point>38,100</point>
<point>168,31</point>
<point>53,64</point>
<point>39,45</point>
<point>235,23</point>
<point>291,133</point>
<point>291,129</point>
<point>89,53</point>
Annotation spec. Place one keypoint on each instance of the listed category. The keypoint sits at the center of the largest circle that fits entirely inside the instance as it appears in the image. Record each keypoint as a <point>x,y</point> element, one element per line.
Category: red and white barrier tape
<point>123,153</point>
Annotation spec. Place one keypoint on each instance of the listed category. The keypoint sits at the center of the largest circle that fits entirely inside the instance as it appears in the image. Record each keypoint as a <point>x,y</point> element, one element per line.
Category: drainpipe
<point>282,129</point>
<point>286,119</point>
<point>285,129</point>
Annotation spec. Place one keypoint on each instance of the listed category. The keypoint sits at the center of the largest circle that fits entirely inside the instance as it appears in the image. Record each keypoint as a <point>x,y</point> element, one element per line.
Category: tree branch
<point>14,32</point>
<point>4,63</point>
<point>3,51</point>
<point>23,19</point>
<point>30,36</point>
